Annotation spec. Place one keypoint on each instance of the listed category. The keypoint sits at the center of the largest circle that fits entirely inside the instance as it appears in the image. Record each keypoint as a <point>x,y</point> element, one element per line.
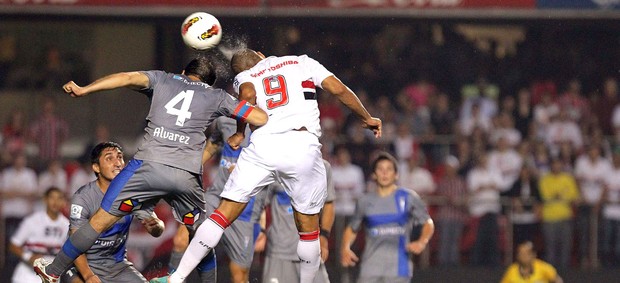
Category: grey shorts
<point>122,272</point>
<point>277,270</point>
<point>142,184</point>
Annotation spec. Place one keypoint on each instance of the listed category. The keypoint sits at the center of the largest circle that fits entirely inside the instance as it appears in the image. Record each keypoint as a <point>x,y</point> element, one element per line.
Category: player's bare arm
<point>133,80</point>
<point>327,221</point>
<point>27,257</point>
<point>209,151</point>
<point>419,245</point>
<point>154,226</point>
<point>247,92</point>
<point>348,257</point>
<point>334,86</point>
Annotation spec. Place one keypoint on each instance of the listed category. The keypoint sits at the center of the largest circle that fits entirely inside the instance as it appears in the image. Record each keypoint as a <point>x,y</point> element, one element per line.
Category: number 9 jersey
<point>286,90</point>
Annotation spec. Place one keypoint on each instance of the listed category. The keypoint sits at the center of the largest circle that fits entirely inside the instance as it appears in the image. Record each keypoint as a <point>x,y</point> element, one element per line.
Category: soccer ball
<point>201,31</point>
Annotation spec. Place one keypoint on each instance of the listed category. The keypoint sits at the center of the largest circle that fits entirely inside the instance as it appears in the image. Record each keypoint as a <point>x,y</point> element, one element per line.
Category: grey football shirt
<point>282,235</point>
<point>109,248</point>
<point>388,221</point>
<point>180,112</point>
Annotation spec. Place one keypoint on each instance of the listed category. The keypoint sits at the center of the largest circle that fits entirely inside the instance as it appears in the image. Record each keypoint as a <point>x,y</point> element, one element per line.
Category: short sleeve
<point>331,189</point>
<point>418,209</point>
<point>358,217</point>
<point>154,77</point>
<point>22,232</point>
<point>79,213</point>
<point>315,69</point>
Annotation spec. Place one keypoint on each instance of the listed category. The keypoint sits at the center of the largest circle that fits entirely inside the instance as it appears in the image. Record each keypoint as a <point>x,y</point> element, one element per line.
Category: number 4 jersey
<point>181,110</point>
<point>286,90</point>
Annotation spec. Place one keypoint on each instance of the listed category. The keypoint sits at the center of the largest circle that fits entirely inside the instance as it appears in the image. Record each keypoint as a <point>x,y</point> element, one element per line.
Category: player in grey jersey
<point>281,260</point>
<point>388,216</point>
<point>168,163</point>
<point>240,238</point>
<point>106,260</point>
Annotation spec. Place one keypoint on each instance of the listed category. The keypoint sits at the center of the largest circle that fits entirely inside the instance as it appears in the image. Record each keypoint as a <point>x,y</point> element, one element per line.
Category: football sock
<point>77,244</point>
<point>309,252</point>
<point>207,236</point>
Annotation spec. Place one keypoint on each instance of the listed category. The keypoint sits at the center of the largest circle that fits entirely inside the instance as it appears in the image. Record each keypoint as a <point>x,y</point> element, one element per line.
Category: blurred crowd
<point>504,149</point>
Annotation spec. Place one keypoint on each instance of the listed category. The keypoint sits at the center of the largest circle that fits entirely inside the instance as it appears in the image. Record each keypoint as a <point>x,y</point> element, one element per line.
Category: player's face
<point>385,173</point>
<point>55,202</point>
<point>110,163</point>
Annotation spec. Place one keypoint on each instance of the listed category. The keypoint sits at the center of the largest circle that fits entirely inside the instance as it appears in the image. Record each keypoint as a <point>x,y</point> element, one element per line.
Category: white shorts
<point>292,158</point>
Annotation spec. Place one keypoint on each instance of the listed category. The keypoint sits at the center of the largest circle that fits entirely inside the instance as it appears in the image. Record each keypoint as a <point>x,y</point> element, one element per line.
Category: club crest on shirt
<point>128,205</point>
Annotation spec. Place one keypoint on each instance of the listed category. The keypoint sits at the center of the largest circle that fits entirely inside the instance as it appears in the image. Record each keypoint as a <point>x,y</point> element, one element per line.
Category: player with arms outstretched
<point>286,149</point>
<point>168,163</point>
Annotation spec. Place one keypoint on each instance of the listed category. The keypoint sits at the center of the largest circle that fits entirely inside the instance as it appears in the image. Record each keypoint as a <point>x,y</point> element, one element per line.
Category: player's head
<point>107,160</point>
<point>385,169</point>
<point>245,59</point>
<point>525,253</point>
<point>54,200</point>
<point>202,68</point>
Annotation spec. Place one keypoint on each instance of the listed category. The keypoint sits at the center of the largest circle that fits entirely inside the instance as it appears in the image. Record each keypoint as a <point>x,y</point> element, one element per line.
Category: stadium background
<point>377,47</point>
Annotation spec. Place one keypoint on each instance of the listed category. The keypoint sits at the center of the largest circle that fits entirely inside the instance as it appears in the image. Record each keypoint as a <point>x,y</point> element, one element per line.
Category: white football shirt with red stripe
<point>286,90</point>
<point>39,234</point>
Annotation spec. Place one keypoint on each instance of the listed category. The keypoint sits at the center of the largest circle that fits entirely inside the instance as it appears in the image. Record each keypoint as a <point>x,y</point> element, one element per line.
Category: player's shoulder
<point>407,192</point>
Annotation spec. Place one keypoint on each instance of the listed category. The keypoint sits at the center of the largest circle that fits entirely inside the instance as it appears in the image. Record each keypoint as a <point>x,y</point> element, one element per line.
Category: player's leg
<point>308,248</point>
<point>180,241</point>
<point>126,192</point>
<point>238,241</point>
<point>245,181</point>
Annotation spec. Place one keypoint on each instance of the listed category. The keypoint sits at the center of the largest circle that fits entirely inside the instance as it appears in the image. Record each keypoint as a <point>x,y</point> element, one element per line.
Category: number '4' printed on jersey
<point>183,112</point>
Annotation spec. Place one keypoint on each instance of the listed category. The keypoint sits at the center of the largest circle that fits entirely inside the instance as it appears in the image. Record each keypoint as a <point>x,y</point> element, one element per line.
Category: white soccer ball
<point>201,31</point>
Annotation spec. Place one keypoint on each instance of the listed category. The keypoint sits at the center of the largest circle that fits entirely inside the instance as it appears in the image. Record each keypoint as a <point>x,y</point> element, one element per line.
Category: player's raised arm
<point>133,80</point>
<point>334,86</point>
<point>256,116</point>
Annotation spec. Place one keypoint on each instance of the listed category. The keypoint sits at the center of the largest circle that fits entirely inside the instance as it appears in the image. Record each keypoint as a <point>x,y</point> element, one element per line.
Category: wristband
<point>325,233</point>
<point>26,256</point>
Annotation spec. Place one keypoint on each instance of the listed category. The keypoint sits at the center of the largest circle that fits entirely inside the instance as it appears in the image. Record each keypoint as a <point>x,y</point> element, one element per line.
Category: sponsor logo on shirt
<point>273,68</point>
<point>160,132</point>
<point>386,231</point>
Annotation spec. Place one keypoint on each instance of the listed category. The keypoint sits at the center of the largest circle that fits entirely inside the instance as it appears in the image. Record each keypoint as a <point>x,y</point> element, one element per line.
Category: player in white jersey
<point>286,149</point>
<point>39,235</point>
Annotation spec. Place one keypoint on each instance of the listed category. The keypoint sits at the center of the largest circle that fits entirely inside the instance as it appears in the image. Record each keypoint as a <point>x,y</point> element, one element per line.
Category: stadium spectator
<point>452,213</point>
<point>605,105</point>
<point>404,143</point>
<point>483,183</point>
<point>14,133</point>
<point>40,234</point>
<point>590,171</point>
<point>474,121</point>
<point>528,268</point>
<point>573,102</point>
<point>559,194</point>
<point>53,176</point>
<point>48,131</point>
<point>504,128</point>
<point>541,159</point>
<point>507,161</point>
<point>562,129</point>
<point>523,114</point>
<point>544,112</point>
<point>525,204</point>
<point>19,189</point>
<point>415,176</point>
<point>610,246</point>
